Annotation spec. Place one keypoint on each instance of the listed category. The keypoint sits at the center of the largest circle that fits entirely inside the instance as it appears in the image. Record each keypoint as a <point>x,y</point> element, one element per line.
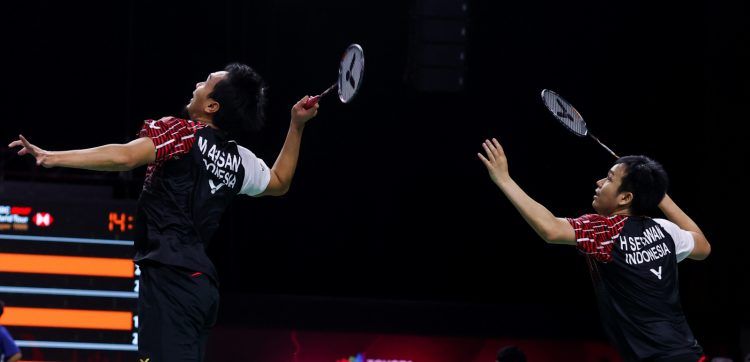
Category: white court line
<point>67,240</point>
<point>78,345</point>
<point>70,292</point>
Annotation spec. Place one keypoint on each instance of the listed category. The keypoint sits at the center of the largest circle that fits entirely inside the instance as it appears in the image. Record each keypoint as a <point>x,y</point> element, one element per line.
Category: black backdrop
<point>390,201</point>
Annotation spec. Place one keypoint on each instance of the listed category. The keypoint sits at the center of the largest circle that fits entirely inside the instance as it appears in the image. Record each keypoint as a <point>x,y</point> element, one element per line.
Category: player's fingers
<point>25,142</point>
<point>500,150</point>
<point>487,150</point>
<point>484,160</point>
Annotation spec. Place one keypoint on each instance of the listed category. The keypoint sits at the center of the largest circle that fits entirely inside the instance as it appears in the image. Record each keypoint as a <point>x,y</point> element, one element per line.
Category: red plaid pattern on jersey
<point>596,234</point>
<point>172,137</point>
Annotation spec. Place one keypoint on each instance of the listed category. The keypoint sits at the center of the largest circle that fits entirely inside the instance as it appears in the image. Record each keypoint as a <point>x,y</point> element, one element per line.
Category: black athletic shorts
<point>176,309</point>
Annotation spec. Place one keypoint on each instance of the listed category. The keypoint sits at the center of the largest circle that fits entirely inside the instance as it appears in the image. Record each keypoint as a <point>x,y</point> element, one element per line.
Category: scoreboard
<point>67,278</point>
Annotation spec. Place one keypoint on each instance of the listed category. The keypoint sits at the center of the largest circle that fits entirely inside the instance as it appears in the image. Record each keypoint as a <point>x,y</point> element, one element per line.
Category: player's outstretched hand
<point>42,157</point>
<point>495,160</point>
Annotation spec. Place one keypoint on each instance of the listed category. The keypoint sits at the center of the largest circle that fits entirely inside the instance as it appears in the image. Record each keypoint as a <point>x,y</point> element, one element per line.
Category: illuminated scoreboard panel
<point>67,278</point>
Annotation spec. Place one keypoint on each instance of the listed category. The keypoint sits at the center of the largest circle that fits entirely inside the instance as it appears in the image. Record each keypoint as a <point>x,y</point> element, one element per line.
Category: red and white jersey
<point>633,262</point>
<point>197,172</point>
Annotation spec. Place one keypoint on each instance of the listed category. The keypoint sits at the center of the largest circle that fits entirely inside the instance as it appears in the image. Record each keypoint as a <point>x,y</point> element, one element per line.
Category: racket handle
<point>312,101</point>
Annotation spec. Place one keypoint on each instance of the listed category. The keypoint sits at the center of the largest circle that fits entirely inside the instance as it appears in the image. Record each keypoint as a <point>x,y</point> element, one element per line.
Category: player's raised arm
<point>552,229</point>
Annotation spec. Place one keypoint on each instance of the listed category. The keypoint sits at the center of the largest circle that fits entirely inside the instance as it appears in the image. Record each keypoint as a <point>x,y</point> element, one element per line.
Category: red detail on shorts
<point>196,274</point>
<point>703,359</point>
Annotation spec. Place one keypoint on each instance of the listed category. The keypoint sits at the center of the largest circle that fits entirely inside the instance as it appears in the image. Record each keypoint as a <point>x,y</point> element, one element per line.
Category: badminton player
<point>633,258</point>
<point>195,169</point>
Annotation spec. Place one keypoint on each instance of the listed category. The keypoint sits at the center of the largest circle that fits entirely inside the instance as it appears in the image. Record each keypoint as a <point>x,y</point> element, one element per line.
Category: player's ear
<point>211,107</point>
<point>625,198</point>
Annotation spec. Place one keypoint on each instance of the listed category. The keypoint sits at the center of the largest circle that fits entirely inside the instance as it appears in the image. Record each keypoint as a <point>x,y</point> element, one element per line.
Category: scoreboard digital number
<point>67,278</point>
<point>120,221</point>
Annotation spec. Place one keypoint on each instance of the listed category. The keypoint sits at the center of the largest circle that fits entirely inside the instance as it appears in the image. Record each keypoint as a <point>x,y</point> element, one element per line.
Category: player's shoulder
<point>589,218</point>
<point>244,151</point>
<point>665,223</point>
<point>170,121</point>
<point>668,225</point>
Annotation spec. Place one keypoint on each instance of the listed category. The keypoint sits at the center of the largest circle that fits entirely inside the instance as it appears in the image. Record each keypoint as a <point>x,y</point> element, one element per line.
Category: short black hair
<point>511,354</point>
<point>647,180</point>
<point>242,100</point>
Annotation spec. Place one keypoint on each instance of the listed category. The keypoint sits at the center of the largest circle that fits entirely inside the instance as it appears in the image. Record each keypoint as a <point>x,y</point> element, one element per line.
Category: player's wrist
<point>49,158</point>
<point>297,124</point>
<point>503,180</point>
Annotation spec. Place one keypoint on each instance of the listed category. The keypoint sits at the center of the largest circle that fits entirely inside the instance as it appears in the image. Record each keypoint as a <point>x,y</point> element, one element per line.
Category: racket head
<point>564,112</point>
<point>351,72</point>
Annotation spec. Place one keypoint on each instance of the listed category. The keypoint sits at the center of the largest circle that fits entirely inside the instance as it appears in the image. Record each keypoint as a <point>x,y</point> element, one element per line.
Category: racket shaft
<point>603,145</point>
<point>314,100</point>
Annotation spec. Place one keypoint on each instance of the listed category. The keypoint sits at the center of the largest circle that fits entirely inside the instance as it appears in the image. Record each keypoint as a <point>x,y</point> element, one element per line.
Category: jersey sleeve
<point>683,240</point>
<point>257,173</point>
<point>172,137</point>
<point>595,234</point>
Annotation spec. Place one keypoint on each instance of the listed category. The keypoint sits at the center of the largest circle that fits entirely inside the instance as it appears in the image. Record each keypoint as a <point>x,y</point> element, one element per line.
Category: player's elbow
<point>703,252</point>
<point>284,188</point>
<point>701,249</point>
<point>276,190</point>
<point>278,186</point>
<point>281,191</point>
<point>708,251</point>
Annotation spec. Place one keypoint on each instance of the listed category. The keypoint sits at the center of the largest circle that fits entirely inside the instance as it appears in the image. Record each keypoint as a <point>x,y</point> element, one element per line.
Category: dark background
<point>392,222</point>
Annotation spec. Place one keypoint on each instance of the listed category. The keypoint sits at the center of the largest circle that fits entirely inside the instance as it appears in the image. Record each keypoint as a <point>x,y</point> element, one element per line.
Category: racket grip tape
<point>312,101</point>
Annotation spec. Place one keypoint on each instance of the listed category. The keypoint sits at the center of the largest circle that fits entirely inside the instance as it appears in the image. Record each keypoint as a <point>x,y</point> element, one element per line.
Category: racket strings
<point>564,112</point>
<point>351,72</point>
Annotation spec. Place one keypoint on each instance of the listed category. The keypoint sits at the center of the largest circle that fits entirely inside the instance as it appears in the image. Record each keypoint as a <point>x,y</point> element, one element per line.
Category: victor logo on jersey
<point>657,273</point>
<point>214,187</point>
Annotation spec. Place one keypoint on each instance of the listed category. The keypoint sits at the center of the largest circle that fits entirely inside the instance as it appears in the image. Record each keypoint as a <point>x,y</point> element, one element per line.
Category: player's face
<point>608,200</point>
<point>201,104</point>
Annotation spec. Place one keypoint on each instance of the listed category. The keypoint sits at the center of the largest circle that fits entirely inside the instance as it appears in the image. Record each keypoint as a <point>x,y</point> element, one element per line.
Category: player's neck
<point>205,120</point>
<point>621,212</point>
